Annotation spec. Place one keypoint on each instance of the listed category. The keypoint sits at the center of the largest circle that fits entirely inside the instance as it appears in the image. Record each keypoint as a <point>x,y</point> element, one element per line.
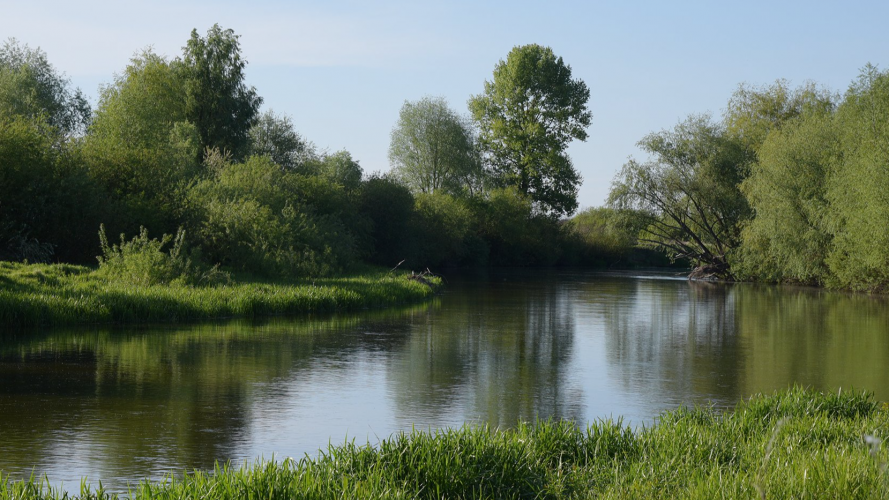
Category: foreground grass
<point>62,294</point>
<point>796,444</point>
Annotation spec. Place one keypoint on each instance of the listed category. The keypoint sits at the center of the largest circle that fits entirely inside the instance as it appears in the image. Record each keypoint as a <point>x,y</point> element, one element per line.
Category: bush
<point>143,261</point>
<point>444,226</point>
<point>256,217</point>
<point>514,232</point>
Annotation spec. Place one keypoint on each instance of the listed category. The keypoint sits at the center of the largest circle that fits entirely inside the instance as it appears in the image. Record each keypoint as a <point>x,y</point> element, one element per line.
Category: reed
<point>794,444</point>
<point>61,294</point>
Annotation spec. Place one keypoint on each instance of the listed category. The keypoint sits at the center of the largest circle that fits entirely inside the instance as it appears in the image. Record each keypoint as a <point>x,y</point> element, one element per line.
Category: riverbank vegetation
<point>160,154</point>
<point>66,294</point>
<point>786,186</point>
<point>795,444</point>
<point>179,149</point>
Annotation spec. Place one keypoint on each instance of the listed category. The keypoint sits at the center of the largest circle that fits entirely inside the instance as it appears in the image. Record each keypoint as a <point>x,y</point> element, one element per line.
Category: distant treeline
<point>789,185</point>
<point>180,147</point>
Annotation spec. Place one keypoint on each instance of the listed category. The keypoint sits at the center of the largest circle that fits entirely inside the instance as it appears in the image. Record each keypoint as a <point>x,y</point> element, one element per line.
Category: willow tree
<point>687,195</point>
<point>527,116</point>
<point>858,185</point>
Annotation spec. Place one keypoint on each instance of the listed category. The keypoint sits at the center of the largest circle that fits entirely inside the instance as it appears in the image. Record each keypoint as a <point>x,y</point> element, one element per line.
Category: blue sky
<point>342,70</point>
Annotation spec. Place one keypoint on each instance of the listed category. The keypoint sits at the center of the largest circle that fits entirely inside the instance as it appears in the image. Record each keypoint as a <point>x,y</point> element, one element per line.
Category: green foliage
<point>600,237</point>
<point>444,230</point>
<point>340,169</point>
<point>143,261</point>
<point>389,207</point>
<point>140,147</point>
<point>527,116</point>
<point>217,101</point>
<point>59,294</point>
<point>26,173</point>
<point>32,88</point>
<point>515,233</point>
<point>273,136</point>
<point>857,190</point>
<point>260,218</point>
<point>794,444</point>
<point>788,239</point>
<point>688,193</point>
<point>606,228</point>
<point>434,149</point>
<point>753,112</point>
<point>818,190</point>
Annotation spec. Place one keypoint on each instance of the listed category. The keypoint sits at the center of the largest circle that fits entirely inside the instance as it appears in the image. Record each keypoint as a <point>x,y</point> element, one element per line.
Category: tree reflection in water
<point>123,404</point>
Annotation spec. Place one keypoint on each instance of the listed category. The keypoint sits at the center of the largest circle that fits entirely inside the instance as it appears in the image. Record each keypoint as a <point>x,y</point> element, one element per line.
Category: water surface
<point>120,404</point>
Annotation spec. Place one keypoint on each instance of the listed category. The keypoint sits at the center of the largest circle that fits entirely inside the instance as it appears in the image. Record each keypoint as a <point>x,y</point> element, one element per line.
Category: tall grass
<point>60,294</point>
<point>795,444</point>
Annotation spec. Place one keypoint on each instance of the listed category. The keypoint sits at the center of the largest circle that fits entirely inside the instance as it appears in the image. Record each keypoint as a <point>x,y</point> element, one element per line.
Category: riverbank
<point>62,294</point>
<point>796,444</point>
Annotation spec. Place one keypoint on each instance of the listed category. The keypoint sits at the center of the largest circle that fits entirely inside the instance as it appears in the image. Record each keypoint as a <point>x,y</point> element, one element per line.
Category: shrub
<point>143,261</point>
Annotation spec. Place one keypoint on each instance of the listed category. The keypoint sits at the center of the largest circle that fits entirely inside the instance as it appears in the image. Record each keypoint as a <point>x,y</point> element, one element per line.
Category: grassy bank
<point>796,444</point>
<point>60,294</point>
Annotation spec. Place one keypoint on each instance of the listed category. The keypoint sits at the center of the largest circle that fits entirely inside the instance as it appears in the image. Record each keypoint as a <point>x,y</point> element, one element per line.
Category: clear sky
<point>342,70</point>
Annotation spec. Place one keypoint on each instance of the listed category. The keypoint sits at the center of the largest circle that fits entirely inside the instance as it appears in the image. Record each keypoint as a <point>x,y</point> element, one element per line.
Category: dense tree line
<point>790,186</point>
<point>179,147</point>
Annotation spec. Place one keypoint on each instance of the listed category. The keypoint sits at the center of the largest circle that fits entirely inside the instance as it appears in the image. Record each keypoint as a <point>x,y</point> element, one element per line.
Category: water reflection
<point>500,353</point>
<point>497,348</point>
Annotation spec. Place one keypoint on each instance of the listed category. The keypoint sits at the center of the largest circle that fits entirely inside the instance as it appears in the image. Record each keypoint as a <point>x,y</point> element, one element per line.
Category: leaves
<point>527,116</point>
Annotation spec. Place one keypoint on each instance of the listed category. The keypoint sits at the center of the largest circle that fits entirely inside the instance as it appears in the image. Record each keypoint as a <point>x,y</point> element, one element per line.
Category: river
<point>122,404</point>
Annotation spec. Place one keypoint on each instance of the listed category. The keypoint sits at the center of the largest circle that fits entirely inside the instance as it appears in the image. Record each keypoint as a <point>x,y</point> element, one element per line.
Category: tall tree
<point>433,149</point>
<point>787,188</point>
<point>528,115</point>
<point>217,100</point>
<point>31,87</point>
<point>858,184</point>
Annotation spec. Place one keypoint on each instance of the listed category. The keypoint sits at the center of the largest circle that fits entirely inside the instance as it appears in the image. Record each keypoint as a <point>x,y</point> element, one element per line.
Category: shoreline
<point>39,295</point>
<point>794,443</point>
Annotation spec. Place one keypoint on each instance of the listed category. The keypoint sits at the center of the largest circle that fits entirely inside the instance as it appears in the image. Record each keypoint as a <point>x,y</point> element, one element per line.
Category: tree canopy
<point>688,192</point>
<point>433,148</point>
<point>30,86</point>
<point>217,99</point>
<point>527,116</point>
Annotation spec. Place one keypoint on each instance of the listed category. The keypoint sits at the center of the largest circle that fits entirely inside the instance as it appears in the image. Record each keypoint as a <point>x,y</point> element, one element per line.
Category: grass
<point>61,294</point>
<point>794,444</point>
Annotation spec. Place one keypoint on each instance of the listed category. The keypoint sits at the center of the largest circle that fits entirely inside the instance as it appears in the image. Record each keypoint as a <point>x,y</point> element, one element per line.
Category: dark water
<point>120,405</point>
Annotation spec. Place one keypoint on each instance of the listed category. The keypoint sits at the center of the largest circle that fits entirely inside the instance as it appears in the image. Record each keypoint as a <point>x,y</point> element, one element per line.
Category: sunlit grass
<point>796,444</point>
<point>39,294</point>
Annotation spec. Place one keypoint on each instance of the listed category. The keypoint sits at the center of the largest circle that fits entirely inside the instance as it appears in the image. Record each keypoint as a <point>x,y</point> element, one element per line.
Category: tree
<point>787,188</point>
<point>140,146</point>
<point>858,184</point>
<point>527,116</point>
<point>339,168</point>
<point>273,135</point>
<point>753,112</point>
<point>31,87</point>
<point>217,100</point>
<point>433,149</point>
<point>688,193</point>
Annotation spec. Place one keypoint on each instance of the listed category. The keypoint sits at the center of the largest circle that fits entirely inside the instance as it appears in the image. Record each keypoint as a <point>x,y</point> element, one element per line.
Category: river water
<point>122,404</point>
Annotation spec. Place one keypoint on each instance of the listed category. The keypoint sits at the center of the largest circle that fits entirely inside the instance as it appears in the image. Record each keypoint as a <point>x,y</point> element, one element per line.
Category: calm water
<point>120,405</point>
